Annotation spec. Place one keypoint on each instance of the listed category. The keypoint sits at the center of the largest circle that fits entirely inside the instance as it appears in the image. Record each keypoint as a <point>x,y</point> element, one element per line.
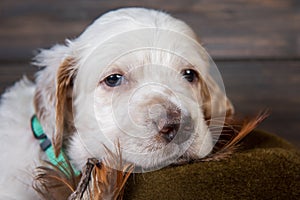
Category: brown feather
<point>102,182</point>
<point>55,182</point>
<point>97,181</point>
<point>231,135</point>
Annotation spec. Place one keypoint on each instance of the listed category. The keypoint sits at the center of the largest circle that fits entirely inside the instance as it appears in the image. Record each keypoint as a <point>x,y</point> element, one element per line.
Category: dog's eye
<point>113,80</point>
<point>190,75</point>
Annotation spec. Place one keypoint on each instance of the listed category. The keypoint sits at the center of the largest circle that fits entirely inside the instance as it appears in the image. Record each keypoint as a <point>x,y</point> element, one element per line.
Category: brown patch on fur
<point>209,92</point>
<point>206,98</point>
<point>64,114</point>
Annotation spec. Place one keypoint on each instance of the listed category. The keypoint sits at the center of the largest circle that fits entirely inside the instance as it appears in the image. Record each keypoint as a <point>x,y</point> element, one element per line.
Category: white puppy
<point>135,76</point>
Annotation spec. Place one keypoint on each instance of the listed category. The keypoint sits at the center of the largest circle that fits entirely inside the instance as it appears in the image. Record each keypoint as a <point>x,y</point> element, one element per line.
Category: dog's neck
<point>45,143</point>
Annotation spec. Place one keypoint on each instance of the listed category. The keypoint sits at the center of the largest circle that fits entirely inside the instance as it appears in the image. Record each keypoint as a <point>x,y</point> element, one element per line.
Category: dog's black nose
<point>169,131</point>
<point>169,125</point>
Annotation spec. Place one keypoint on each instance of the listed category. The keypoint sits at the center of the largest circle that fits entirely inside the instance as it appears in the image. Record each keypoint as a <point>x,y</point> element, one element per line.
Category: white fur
<point>151,49</point>
<point>19,150</point>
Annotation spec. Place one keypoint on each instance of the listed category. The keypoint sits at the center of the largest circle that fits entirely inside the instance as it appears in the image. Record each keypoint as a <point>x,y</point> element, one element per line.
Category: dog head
<point>136,77</point>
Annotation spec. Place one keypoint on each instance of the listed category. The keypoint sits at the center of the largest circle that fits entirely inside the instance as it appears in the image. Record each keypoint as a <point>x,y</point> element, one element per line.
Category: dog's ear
<point>64,97</point>
<point>53,94</point>
<point>215,101</point>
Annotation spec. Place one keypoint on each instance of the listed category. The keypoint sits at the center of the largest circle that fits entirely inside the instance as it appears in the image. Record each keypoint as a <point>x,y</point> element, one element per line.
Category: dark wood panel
<point>12,72</point>
<point>252,87</point>
<point>236,29</point>
<point>275,85</point>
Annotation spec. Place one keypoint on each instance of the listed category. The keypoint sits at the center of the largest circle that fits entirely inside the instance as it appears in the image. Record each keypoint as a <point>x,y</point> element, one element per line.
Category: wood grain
<point>254,86</point>
<point>237,29</point>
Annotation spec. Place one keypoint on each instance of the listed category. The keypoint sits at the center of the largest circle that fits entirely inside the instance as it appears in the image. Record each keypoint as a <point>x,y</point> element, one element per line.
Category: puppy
<point>136,77</point>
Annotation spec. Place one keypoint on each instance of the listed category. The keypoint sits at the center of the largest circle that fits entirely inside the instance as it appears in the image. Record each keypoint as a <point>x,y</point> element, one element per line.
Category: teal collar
<point>46,146</point>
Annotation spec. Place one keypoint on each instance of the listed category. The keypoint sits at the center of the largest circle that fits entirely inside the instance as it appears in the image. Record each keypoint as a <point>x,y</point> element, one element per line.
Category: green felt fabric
<point>266,168</point>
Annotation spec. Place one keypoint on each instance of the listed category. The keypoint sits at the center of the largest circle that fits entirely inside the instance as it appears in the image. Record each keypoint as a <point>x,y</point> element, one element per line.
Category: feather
<point>231,135</point>
<point>97,181</point>
<point>55,182</point>
<point>101,182</point>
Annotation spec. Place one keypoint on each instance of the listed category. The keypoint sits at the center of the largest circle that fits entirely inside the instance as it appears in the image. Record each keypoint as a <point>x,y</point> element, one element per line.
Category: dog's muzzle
<point>171,124</point>
<point>168,125</point>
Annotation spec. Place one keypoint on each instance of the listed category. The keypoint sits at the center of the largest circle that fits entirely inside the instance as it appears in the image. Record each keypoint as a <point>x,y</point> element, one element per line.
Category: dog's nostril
<point>167,131</point>
<point>167,120</point>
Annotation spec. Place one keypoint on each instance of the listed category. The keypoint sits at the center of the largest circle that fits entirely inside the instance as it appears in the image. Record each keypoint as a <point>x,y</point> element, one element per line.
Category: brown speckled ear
<point>64,116</point>
<point>215,102</point>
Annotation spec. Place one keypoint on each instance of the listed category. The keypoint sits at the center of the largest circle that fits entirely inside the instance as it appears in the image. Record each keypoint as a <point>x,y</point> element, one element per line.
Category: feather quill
<point>101,182</point>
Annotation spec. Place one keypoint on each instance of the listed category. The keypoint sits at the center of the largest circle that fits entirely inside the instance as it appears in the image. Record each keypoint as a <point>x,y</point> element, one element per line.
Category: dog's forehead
<point>130,19</point>
<point>154,59</point>
<point>134,27</point>
<point>125,40</point>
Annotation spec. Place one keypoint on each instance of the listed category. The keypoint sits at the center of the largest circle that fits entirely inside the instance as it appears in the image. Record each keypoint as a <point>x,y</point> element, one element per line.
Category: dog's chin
<point>146,154</point>
<point>161,155</point>
<point>186,158</point>
<point>190,157</point>
<point>195,151</point>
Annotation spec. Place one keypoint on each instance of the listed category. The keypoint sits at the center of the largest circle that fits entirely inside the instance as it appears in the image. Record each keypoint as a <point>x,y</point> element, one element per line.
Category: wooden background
<point>255,44</point>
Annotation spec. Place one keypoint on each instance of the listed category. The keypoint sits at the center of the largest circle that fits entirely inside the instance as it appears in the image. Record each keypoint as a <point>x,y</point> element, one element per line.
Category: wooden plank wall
<point>255,44</point>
